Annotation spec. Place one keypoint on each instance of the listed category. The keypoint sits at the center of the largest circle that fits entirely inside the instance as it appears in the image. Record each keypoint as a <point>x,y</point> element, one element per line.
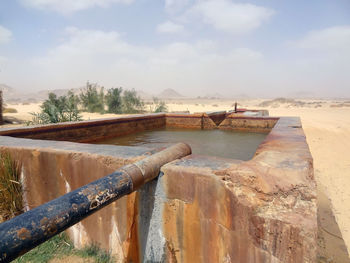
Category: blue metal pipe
<point>34,227</point>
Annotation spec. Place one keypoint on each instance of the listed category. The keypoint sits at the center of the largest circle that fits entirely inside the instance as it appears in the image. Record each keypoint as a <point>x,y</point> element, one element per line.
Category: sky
<point>197,47</point>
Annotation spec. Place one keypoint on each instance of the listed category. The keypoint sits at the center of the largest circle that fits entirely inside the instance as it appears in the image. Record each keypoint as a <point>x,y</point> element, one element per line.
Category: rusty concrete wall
<point>89,131</point>
<point>192,121</point>
<point>202,209</point>
<point>187,121</point>
<point>95,130</point>
<point>51,169</point>
<point>262,210</point>
<point>217,117</point>
<point>249,124</point>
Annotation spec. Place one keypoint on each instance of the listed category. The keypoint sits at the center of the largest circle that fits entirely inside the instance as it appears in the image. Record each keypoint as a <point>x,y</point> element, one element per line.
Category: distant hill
<point>169,94</point>
<point>7,90</point>
<point>215,95</point>
<point>12,95</point>
<point>9,93</point>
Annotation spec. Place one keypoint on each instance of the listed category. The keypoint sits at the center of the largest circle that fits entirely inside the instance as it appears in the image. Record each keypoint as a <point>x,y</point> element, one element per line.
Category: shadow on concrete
<point>149,220</point>
<point>331,246</point>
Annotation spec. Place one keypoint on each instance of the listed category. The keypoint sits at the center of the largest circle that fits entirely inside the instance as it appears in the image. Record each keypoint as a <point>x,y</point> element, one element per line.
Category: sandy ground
<point>327,131</point>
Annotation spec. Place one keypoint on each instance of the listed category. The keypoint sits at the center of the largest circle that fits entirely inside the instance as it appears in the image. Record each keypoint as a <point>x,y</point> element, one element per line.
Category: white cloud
<point>5,35</point>
<point>230,17</point>
<point>189,67</point>
<point>106,58</point>
<point>173,6</point>
<point>69,6</point>
<point>170,27</point>
<point>335,38</point>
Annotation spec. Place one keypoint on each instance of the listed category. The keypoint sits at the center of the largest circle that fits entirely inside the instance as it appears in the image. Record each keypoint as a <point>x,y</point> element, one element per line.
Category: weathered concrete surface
<point>202,209</point>
<point>217,117</point>
<point>96,130</point>
<point>30,229</point>
<point>245,123</point>
<point>263,210</point>
<point>189,121</point>
<point>89,131</point>
<point>49,172</point>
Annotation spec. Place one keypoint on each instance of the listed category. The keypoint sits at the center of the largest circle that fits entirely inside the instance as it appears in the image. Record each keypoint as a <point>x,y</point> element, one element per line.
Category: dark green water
<point>220,143</point>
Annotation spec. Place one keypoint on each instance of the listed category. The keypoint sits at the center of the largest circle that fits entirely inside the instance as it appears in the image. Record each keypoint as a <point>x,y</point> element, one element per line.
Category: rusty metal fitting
<point>150,166</point>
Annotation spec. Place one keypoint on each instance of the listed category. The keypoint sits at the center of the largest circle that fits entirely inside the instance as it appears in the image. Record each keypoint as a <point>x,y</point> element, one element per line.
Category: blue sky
<point>257,47</point>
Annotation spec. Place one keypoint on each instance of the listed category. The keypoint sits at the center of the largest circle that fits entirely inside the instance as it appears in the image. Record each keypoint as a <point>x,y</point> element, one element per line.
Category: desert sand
<point>327,129</point>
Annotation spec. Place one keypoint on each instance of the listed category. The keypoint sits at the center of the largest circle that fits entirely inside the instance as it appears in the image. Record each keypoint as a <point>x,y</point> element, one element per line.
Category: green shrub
<point>131,103</point>
<point>93,251</point>
<point>11,202</point>
<point>9,110</point>
<point>60,246</point>
<point>114,100</point>
<point>160,105</point>
<point>54,107</point>
<point>91,99</point>
<point>71,106</point>
<point>57,109</point>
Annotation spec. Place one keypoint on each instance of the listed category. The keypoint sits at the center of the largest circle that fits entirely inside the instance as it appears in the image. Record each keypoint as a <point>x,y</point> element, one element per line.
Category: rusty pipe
<point>30,229</point>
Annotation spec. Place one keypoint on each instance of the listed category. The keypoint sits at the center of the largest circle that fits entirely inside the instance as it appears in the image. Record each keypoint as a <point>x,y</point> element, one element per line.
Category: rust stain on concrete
<point>261,210</point>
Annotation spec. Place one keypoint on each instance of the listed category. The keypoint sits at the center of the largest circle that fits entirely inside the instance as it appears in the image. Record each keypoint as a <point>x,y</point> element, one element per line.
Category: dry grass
<point>11,203</point>
<point>9,110</point>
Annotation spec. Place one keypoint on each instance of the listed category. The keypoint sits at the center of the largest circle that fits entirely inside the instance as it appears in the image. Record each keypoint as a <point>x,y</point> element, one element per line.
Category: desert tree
<point>160,105</point>
<point>91,99</point>
<point>131,103</point>
<point>114,100</point>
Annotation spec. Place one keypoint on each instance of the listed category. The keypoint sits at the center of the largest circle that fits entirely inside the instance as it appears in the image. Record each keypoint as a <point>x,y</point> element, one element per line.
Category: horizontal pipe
<point>30,229</point>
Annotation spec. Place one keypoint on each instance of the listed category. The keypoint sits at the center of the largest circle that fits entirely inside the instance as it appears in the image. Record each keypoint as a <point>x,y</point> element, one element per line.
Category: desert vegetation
<point>11,203</point>
<point>60,247</point>
<point>57,109</point>
<point>9,110</point>
<point>92,99</point>
<point>159,105</point>
<point>131,103</point>
<point>114,100</point>
<point>275,103</point>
